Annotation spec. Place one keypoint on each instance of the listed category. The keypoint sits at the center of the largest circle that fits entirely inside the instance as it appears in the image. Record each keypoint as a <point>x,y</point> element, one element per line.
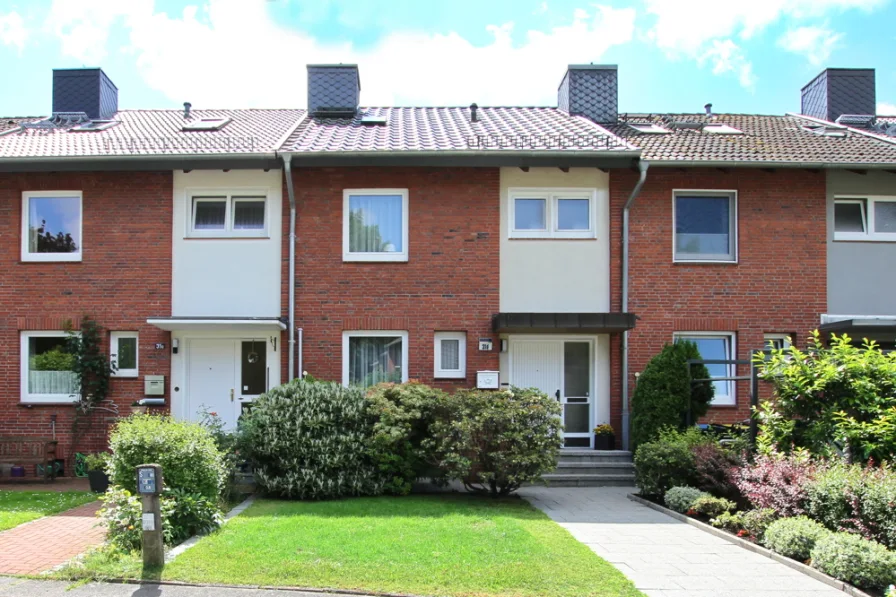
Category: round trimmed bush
<point>794,537</point>
<point>682,498</point>
<point>187,452</point>
<point>712,506</point>
<point>860,562</point>
<point>311,440</point>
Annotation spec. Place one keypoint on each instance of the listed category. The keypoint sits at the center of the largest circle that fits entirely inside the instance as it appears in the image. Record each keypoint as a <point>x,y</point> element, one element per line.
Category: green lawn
<point>431,545</point>
<point>17,507</point>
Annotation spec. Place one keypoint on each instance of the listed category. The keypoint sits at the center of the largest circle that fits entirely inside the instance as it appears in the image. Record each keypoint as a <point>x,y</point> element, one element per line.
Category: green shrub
<point>794,537</point>
<point>757,521</point>
<point>856,499</point>
<point>188,455</point>
<point>682,498</point>
<point>667,461</point>
<point>310,440</point>
<point>664,392</point>
<point>711,506</point>
<point>730,521</point>
<point>496,441</point>
<point>402,416</point>
<point>847,557</point>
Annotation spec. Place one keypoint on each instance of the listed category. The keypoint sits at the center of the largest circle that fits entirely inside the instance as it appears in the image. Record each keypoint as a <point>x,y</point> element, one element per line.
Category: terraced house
<point>557,247</point>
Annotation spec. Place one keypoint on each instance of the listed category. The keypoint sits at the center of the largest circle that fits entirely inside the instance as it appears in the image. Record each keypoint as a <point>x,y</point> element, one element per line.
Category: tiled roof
<point>450,129</point>
<point>11,122</point>
<point>765,139</point>
<point>158,132</point>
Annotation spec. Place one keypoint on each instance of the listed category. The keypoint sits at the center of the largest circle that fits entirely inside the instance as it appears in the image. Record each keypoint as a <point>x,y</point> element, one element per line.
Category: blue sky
<point>673,55</point>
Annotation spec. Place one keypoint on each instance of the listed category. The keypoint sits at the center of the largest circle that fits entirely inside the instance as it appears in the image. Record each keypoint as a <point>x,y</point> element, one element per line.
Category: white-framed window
<point>776,341</point>
<point>375,225</point>
<point>705,225</point>
<point>52,223</point>
<point>552,213</point>
<point>217,214</point>
<point>450,355</point>
<point>865,218</point>
<point>716,346</point>
<point>372,357</point>
<point>47,368</point>
<point>124,353</point>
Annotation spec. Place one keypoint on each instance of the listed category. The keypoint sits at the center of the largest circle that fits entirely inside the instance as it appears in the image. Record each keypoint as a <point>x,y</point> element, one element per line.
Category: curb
<point>757,549</point>
<point>316,590</point>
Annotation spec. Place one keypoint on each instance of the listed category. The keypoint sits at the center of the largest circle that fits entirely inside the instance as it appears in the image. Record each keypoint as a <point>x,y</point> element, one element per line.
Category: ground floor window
<point>372,357</point>
<point>123,353</point>
<point>47,368</point>
<point>776,341</point>
<point>450,355</point>
<point>716,346</point>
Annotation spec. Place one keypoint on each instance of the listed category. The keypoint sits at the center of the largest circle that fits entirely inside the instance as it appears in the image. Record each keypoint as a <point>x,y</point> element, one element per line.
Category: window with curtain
<point>376,225</point>
<point>704,227</point>
<point>47,368</point>
<point>374,358</point>
<point>228,215</point>
<point>450,353</point>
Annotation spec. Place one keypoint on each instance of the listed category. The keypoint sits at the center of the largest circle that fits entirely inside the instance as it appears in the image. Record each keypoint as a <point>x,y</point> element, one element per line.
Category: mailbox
<point>487,380</point>
<point>154,385</point>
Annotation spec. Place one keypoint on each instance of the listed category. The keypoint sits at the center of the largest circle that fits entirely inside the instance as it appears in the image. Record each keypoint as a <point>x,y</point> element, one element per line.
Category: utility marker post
<point>149,486</point>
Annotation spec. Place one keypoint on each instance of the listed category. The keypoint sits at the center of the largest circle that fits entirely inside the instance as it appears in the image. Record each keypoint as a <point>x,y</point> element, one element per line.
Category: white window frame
<point>785,339</point>
<point>348,255</point>
<point>228,196</point>
<point>552,196</point>
<point>731,337</point>
<point>113,353</point>
<point>696,258</point>
<point>26,212</point>
<point>867,203</point>
<point>374,334</point>
<point>25,397</point>
<point>461,371</point>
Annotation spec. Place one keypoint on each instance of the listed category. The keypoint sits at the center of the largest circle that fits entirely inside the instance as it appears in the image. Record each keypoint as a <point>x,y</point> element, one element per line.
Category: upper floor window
<point>375,225</point>
<point>47,368</point>
<point>51,226</point>
<point>705,224</point>
<point>865,218</point>
<point>546,213</point>
<point>223,215</point>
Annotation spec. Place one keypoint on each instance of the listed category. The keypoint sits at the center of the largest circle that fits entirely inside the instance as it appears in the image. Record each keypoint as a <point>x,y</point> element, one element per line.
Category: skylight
<point>206,124</point>
<point>374,120</point>
<point>649,128</point>
<point>94,126</point>
<point>826,130</point>
<point>721,129</point>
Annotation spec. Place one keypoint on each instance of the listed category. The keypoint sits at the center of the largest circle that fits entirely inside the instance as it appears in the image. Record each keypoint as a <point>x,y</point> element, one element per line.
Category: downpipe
<point>291,276</point>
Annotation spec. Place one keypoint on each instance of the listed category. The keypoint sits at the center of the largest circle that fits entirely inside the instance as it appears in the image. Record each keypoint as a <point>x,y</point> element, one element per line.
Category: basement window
<point>649,128</point>
<point>206,124</point>
<point>721,129</point>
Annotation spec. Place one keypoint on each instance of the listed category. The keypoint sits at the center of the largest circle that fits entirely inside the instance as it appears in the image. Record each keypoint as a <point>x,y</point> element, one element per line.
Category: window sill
<point>374,259</point>
<point>453,377</point>
<point>703,262</point>
<point>125,375</point>
<point>32,403</point>
<point>225,237</point>
<point>732,405</point>
<point>33,259</point>
<point>553,238</point>
<point>864,240</point>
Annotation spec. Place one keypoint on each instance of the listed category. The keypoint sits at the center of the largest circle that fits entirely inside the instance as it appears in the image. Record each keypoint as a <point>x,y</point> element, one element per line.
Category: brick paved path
<point>665,557</point>
<point>47,542</point>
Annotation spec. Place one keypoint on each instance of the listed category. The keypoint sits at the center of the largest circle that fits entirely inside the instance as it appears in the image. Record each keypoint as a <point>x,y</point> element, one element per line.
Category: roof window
<point>649,128</point>
<point>206,124</point>
<point>94,126</point>
<point>721,129</point>
<point>374,120</point>
<point>826,130</point>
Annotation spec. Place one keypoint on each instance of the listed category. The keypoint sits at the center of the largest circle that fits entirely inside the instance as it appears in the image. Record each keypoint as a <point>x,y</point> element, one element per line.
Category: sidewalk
<point>45,543</point>
<point>665,557</point>
<point>16,587</point>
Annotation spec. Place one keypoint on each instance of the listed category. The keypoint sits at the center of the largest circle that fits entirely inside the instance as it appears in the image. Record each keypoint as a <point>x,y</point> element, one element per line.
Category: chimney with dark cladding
<point>838,91</point>
<point>86,90</point>
<point>590,90</point>
<point>334,90</point>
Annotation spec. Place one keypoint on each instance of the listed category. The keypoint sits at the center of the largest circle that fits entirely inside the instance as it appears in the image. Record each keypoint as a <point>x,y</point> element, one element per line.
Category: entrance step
<point>592,468</point>
<point>588,480</point>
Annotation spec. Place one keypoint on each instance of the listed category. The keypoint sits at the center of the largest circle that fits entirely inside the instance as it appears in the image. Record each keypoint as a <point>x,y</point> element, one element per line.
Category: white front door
<point>562,368</point>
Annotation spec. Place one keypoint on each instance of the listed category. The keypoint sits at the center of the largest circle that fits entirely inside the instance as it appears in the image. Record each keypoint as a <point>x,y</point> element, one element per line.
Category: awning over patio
<point>170,324</point>
<point>879,329</point>
<point>562,323</point>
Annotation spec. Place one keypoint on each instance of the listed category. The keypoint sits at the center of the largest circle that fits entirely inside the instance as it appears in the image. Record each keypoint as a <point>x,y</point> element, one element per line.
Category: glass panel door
<point>576,398</point>
<point>253,372</point>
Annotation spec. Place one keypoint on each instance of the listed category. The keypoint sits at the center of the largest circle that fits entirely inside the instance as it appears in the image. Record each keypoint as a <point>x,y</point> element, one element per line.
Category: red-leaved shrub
<point>713,465</point>
<point>776,481</point>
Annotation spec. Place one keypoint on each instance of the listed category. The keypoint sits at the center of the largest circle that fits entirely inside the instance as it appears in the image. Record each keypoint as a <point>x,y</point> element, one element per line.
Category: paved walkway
<point>665,557</point>
<point>47,542</point>
<point>18,587</point>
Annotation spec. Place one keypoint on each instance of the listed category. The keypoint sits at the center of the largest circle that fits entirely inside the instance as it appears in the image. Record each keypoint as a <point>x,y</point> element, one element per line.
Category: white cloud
<point>886,109</point>
<point>815,42</point>
<point>727,57</point>
<point>12,30</point>
<point>237,56</point>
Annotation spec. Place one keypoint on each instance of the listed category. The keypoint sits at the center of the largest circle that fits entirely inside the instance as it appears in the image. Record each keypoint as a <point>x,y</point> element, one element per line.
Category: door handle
<point>231,394</point>
<point>557,394</point>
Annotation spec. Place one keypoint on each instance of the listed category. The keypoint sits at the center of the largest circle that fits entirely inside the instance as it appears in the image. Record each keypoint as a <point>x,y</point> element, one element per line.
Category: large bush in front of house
<point>776,481</point>
<point>402,415</point>
<point>831,400</point>
<point>664,392</point>
<point>668,461</point>
<point>496,441</point>
<point>311,440</point>
<point>190,460</point>
<point>863,563</point>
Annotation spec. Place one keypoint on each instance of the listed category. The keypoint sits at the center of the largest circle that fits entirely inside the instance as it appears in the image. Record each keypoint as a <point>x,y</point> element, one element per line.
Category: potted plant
<point>137,408</point>
<point>96,471</point>
<point>604,437</point>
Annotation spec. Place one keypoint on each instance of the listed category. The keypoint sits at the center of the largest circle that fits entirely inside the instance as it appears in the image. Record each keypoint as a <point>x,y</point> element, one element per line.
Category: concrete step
<point>599,468</point>
<point>589,480</point>
<point>595,456</point>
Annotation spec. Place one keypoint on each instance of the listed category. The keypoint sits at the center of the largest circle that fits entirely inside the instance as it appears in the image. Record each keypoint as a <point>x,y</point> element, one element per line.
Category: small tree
<point>665,393</point>
<point>836,399</point>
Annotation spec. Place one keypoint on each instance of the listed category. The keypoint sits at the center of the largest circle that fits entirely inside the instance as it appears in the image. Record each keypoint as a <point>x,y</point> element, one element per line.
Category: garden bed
<point>18,507</point>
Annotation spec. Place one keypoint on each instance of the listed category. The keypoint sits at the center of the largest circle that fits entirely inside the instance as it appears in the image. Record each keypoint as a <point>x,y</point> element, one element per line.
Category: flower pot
<point>604,442</point>
<point>99,481</point>
<point>138,410</point>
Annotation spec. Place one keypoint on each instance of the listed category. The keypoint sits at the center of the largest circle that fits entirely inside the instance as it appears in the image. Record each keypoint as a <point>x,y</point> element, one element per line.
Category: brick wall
<point>124,278</point>
<point>449,283</point>
<point>778,284</point>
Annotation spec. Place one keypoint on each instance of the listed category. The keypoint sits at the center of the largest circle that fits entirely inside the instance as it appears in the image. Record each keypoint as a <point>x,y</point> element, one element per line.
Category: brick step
<point>589,480</point>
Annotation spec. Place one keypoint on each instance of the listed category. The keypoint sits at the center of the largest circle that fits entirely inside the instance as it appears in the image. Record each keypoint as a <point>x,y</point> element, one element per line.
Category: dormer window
<point>206,124</point>
<point>721,129</point>
<point>649,128</point>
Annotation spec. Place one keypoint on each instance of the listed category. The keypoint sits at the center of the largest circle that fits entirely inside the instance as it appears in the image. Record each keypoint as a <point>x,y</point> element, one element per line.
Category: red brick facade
<point>124,278</point>
<point>449,283</point>
<point>778,284</point>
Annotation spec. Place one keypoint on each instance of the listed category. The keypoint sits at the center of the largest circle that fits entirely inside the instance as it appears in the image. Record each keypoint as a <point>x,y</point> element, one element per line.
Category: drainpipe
<point>642,168</point>
<point>291,277</point>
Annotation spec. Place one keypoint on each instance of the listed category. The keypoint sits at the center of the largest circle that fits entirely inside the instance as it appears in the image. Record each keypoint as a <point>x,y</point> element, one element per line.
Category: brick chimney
<point>838,91</point>
<point>590,90</point>
<point>86,90</point>
<point>334,90</point>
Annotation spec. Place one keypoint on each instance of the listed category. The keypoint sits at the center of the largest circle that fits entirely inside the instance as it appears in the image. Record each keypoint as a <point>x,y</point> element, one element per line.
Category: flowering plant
<point>604,429</point>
